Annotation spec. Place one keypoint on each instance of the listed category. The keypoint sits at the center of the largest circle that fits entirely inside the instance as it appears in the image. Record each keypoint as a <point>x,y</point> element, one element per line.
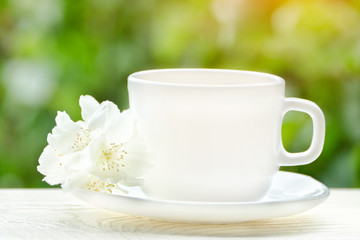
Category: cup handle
<point>317,143</point>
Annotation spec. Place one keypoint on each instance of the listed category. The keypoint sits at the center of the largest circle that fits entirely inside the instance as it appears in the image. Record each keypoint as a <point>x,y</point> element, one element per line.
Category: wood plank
<point>51,214</point>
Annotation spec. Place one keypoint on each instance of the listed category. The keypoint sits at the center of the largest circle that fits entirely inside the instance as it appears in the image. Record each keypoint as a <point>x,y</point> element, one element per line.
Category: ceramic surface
<point>290,193</point>
<point>216,134</point>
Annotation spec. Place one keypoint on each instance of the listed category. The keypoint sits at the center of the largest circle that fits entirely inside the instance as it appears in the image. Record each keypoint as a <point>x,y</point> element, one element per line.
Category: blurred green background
<point>52,51</point>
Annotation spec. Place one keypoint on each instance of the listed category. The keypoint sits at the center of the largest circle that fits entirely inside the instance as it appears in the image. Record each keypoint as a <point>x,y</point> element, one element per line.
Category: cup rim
<point>276,80</point>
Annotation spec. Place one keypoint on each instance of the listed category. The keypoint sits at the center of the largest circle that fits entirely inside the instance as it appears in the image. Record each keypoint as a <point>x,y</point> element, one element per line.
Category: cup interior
<point>205,77</point>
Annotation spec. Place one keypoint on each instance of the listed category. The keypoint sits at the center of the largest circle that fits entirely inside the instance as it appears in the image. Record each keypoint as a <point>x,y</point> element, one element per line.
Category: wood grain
<point>51,214</point>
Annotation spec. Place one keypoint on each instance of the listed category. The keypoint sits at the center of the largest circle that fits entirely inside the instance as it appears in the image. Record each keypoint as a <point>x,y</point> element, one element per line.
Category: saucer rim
<point>212,212</point>
<point>323,195</point>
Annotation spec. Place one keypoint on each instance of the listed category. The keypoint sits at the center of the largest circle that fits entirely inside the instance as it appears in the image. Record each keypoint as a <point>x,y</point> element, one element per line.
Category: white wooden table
<point>51,214</point>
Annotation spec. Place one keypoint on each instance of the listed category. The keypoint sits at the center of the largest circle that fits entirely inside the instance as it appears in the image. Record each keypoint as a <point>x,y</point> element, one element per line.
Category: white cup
<point>216,134</point>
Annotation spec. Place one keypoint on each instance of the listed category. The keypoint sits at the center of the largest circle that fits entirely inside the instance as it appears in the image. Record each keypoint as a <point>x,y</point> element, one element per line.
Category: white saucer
<point>290,193</point>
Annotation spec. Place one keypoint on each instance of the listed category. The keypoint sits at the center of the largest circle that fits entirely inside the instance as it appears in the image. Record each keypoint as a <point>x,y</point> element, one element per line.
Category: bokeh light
<point>53,51</point>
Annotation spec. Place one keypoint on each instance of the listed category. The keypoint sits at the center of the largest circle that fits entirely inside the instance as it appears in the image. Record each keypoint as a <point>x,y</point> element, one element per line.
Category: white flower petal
<point>131,182</point>
<point>62,118</point>
<point>63,134</point>
<point>51,166</point>
<point>68,136</point>
<point>103,116</point>
<point>62,139</point>
<point>88,106</point>
<point>77,161</point>
<point>76,181</point>
<point>95,148</point>
<point>138,159</point>
<point>121,129</point>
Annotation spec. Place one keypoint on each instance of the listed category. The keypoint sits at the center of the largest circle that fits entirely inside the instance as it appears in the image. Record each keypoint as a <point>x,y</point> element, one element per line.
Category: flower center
<point>113,158</point>
<point>95,184</point>
<point>82,139</point>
